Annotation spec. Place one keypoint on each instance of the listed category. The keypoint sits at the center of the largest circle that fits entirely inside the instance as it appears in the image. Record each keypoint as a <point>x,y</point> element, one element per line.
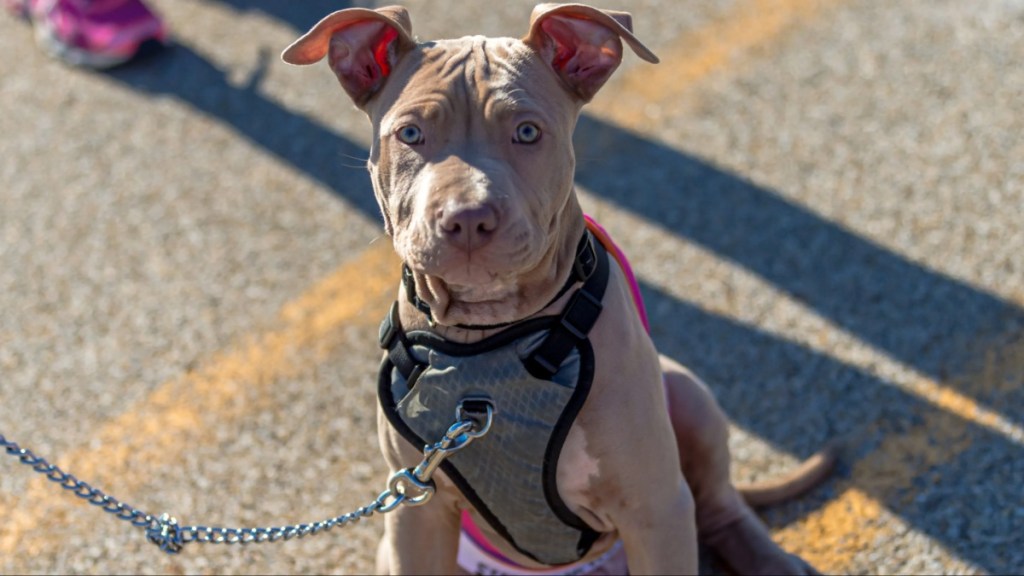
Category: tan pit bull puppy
<point>472,165</point>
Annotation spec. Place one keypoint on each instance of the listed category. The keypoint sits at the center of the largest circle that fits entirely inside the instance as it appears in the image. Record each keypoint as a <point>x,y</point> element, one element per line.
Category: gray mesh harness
<point>537,374</point>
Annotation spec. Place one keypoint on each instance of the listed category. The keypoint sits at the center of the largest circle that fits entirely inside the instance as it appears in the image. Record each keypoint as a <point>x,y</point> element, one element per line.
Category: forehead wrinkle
<point>479,71</point>
<point>517,100</point>
<point>475,78</point>
<point>454,61</point>
<point>442,75</point>
<point>476,86</point>
<point>433,105</point>
<point>491,76</point>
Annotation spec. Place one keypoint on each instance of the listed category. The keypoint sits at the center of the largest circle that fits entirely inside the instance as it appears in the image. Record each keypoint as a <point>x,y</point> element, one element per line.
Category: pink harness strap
<point>634,287</point>
<point>468,526</point>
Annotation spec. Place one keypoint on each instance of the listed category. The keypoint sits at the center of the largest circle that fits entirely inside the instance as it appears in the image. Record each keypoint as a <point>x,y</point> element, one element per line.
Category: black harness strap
<point>574,323</point>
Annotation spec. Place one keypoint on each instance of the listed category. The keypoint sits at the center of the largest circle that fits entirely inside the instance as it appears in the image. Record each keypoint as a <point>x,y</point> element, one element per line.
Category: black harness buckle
<point>581,313</point>
<point>586,258</point>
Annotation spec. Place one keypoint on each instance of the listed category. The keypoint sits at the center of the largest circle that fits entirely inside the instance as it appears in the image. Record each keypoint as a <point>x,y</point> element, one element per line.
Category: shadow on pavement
<point>300,15</point>
<point>922,318</point>
<point>926,320</point>
<point>814,398</point>
<point>332,160</point>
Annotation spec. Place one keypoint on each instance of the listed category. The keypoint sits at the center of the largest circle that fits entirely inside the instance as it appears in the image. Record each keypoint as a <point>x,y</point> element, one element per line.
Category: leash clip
<point>164,533</point>
<point>474,416</point>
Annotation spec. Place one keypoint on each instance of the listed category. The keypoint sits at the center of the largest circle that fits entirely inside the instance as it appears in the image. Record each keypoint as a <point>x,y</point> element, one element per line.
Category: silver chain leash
<point>408,487</point>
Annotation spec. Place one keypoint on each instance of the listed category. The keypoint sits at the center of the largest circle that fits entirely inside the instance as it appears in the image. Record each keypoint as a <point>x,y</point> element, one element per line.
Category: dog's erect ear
<point>582,44</point>
<point>362,46</point>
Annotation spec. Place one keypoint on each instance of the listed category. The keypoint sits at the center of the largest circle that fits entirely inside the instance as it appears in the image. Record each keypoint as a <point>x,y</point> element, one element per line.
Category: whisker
<point>361,159</point>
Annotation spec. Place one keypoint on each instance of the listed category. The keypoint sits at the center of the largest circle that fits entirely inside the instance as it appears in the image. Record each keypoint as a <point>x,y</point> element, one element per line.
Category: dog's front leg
<point>640,488</point>
<point>660,531</point>
<point>421,540</point>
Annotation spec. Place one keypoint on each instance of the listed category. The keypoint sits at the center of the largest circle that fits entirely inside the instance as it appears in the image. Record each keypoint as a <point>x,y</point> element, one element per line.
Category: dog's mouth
<point>454,304</point>
<point>484,286</point>
<point>493,293</point>
<point>480,275</point>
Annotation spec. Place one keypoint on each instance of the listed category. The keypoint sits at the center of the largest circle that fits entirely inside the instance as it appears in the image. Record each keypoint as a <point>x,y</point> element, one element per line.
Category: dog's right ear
<point>362,47</point>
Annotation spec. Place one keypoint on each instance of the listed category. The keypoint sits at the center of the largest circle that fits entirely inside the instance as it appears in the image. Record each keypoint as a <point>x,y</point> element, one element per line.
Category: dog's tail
<point>807,475</point>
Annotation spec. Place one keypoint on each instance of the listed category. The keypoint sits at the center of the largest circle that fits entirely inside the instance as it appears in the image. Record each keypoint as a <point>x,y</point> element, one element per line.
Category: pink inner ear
<point>586,53</point>
<point>360,56</point>
<point>566,42</point>
<point>380,53</point>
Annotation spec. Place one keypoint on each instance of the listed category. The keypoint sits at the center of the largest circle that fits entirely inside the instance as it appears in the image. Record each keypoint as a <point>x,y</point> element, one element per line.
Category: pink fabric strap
<point>473,531</point>
<point>634,287</point>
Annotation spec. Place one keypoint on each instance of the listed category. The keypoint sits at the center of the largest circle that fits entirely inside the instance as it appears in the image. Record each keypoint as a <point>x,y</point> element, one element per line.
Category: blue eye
<point>410,134</point>
<point>527,133</point>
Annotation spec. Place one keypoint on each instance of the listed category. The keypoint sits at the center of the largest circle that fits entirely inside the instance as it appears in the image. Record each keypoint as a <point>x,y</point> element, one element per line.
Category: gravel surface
<point>822,201</point>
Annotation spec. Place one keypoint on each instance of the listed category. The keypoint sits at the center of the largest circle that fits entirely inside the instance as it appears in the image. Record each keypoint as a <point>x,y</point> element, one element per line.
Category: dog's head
<point>472,160</point>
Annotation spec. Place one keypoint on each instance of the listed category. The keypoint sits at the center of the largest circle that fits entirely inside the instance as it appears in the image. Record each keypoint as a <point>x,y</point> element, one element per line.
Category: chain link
<point>408,487</point>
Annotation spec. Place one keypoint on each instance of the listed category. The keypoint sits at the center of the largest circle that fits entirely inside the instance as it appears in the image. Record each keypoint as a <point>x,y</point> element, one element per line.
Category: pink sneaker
<point>94,34</point>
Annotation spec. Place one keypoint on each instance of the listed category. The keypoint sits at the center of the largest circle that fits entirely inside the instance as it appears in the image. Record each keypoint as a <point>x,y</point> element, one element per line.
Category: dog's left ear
<point>583,44</point>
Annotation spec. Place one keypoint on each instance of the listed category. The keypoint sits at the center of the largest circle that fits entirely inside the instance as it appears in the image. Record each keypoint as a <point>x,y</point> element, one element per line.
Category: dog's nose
<point>469,228</point>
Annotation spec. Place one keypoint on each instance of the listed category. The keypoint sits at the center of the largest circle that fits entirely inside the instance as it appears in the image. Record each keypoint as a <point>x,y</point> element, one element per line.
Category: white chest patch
<point>577,472</point>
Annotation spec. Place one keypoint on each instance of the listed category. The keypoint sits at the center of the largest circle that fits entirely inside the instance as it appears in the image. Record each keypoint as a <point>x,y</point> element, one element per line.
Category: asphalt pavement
<point>822,200</point>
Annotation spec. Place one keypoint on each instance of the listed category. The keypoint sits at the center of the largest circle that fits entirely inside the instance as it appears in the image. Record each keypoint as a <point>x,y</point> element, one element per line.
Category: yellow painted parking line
<point>855,523</point>
<point>173,417</point>
<point>950,400</point>
<point>1001,370</point>
<point>714,47</point>
<point>831,537</point>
